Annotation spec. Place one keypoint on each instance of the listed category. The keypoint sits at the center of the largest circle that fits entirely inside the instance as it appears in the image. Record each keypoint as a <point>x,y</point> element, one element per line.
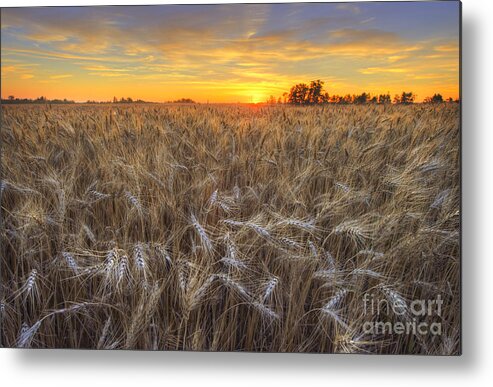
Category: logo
<point>418,317</point>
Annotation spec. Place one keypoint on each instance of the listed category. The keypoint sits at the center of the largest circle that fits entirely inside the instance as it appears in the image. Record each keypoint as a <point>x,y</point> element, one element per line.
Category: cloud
<point>107,74</point>
<point>379,70</point>
<point>351,35</point>
<point>368,20</point>
<point>61,76</point>
<point>352,8</point>
<point>40,37</point>
<point>17,70</point>
<point>451,47</point>
<point>396,58</point>
<point>101,68</point>
<point>46,54</point>
<point>430,76</point>
<point>8,69</point>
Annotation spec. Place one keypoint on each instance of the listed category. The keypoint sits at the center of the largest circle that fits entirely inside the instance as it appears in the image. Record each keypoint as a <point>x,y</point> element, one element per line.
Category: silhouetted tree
<point>384,98</point>
<point>361,99</point>
<point>347,99</point>
<point>437,98</point>
<point>302,94</point>
<point>315,95</point>
<point>298,95</point>
<point>407,98</point>
<point>340,99</point>
<point>184,100</point>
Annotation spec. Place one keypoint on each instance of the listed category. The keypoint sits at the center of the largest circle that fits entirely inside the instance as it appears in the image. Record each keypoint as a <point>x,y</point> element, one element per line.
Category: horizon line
<point>139,100</point>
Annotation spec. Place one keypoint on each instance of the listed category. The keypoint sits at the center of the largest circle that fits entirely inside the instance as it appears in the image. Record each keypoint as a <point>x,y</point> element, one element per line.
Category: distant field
<point>208,227</point>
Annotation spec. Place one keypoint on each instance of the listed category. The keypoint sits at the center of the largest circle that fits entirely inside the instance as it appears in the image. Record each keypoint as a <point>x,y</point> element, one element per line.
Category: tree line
<point>43,100</point>
<point>124,100</point>
<point>314,94</point>
<point>12,100</point>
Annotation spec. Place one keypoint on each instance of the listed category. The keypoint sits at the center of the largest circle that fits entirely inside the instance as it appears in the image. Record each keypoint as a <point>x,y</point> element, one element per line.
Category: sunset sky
<point>229,53</point>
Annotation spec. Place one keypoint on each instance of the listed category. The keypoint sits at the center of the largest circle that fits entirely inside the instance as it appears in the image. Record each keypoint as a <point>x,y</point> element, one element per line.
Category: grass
<point>228,228</point>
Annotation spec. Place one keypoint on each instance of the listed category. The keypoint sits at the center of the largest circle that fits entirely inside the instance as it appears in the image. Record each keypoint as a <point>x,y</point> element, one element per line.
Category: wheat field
<point>228,227</point>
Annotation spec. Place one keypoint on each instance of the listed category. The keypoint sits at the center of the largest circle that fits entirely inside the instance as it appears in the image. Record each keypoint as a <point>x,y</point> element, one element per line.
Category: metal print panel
<point>235,177</point>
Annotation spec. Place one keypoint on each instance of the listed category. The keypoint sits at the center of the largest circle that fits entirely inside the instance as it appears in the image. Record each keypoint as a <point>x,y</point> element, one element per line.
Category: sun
<point>256,98</point>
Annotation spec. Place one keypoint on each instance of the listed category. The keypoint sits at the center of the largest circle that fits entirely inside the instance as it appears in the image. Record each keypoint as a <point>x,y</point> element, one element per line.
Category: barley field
<point>229,227</point>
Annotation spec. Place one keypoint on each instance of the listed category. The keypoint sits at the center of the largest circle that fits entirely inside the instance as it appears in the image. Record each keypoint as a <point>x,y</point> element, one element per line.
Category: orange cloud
<point>377,70</point>
<point>447,48</point>
<point>61,76</point>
